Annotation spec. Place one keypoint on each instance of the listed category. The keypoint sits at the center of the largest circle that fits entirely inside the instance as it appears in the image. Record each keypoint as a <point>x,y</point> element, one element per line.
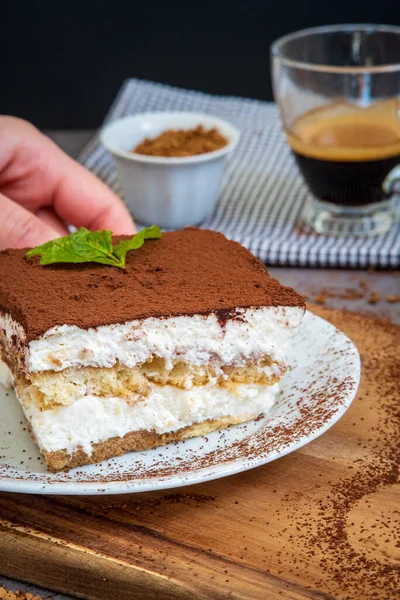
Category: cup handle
<point>391,183</point>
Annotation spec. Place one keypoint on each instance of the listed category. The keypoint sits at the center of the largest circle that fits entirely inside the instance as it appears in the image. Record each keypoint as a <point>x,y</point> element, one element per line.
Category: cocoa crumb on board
<point>6,594</point>
<point>342,294</point>
<point>322,295</point>
<point>320,299</point>
<point>373,298</point>
<point>360,291</point>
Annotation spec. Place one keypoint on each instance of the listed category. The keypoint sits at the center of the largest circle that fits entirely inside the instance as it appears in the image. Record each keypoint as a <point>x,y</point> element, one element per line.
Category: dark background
<point>63,62</point>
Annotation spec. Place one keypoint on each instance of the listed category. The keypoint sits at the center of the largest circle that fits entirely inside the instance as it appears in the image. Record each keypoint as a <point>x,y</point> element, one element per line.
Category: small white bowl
<point>171,192</point>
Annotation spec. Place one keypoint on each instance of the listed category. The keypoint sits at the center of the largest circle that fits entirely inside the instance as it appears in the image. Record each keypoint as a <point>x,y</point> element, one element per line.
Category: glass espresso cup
<point>338,92</point>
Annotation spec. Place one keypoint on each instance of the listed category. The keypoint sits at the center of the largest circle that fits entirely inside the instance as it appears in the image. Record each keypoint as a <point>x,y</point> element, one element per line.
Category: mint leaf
<point>79,247</point>
<point>49,248</point>
<point>150,233</point>
<point>91,246</point>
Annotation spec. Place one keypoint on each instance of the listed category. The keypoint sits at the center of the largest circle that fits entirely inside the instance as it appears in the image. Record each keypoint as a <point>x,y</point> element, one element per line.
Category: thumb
<point>19,228</point>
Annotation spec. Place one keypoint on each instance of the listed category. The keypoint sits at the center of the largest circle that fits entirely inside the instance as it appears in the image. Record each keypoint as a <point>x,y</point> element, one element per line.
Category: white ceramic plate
<point>314,395</point>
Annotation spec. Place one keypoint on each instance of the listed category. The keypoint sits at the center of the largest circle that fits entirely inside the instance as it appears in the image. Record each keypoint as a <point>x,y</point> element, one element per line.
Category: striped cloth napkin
<point>263,194</point>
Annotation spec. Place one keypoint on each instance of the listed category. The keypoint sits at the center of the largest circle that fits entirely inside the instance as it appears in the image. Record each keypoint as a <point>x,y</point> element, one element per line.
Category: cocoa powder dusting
<point>182,142</point>
<point>192,271</point>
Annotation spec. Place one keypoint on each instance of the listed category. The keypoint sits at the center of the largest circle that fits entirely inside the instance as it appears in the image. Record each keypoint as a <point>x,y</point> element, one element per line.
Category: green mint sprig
<point>84,246</point>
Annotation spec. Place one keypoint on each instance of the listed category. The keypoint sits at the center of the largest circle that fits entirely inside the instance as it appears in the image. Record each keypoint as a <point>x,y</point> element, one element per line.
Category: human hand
<point>42,189</point>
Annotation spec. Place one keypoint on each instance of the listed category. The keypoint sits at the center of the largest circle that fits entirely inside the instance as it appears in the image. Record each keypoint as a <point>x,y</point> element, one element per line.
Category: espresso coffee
<point>345,153</point>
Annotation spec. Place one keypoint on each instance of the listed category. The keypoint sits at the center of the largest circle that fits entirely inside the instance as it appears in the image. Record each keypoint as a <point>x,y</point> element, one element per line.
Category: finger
<point>49,217</point>
<point>19,228</point>
<point>36,173</point>
<point>83,200</point>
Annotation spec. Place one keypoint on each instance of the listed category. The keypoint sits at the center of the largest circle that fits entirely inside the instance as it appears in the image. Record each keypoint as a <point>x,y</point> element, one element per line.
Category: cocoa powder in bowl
<point>182,142</point>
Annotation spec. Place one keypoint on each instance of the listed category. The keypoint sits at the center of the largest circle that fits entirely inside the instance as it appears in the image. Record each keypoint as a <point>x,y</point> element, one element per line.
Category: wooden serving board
<point>320,523</point>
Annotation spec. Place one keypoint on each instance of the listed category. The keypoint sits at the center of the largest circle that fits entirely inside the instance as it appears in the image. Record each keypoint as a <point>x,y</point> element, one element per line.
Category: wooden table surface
<point>354,290</point>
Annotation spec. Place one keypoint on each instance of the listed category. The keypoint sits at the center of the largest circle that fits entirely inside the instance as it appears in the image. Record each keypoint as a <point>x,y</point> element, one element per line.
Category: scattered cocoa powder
<point>182,142</point>
<point>321,298</point>
<point>355,556</point>
<point>393,299</point>
<point>373,298</point>
<point>342,294</point>
<point>20,595</point>
<point>361,291</point>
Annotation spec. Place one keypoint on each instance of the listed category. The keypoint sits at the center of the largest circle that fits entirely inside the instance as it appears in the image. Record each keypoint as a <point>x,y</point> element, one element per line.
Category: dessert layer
<point>51,388</point>
<point>197,340</point>
<point>130,442</point>
<point>185,272</point>
<point>94,419</point>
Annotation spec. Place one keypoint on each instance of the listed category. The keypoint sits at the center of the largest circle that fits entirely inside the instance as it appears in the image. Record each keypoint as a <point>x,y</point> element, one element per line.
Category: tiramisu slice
<point>192,335</point>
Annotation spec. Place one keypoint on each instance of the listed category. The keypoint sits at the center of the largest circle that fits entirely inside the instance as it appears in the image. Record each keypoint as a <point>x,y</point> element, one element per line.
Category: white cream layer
<point>94,419</point>
<point>195,339</point>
